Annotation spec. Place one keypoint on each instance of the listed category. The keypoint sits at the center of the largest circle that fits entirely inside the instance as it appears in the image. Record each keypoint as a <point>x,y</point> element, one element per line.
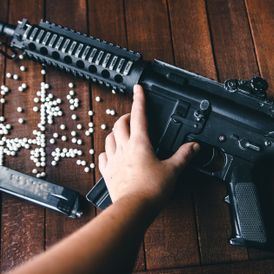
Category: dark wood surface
<point>219,39</point>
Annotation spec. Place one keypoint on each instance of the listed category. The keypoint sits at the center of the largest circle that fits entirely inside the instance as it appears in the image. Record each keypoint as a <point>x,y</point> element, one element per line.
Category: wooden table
<point>220,39</point>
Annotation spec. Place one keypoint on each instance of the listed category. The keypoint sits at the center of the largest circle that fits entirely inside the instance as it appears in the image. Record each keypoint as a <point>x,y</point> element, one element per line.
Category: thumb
<point>183,155</point>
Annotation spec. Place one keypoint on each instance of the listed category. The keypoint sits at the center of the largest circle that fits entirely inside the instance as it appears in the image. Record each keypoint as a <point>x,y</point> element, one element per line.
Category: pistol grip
<point>99,195</point>
<point>249,228</point>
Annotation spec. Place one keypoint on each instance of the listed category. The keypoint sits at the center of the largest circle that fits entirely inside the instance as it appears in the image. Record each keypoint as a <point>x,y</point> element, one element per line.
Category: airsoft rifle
<point>233,121</point>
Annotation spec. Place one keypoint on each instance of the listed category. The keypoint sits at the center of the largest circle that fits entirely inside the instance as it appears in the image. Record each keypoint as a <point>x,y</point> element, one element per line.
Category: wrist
<point>148,207</point>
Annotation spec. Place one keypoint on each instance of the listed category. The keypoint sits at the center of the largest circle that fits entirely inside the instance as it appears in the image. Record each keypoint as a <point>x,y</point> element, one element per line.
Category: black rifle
<point>233,121</point>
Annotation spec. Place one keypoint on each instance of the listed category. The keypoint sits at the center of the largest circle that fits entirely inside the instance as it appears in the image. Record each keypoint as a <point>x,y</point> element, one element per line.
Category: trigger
<point>227,200</point>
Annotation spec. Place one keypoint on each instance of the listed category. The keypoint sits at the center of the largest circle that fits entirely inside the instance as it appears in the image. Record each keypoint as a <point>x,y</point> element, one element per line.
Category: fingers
<point>183,155</point>
<point>121,129</point>
<point>110,144</point>
<point>138,121</point>
<point>102,158</point>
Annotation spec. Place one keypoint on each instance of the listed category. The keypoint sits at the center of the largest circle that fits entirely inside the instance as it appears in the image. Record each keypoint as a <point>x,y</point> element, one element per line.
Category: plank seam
<point>252,37</point>
<point>170,31</point>
<point>127,44</point>
<point>234,263</point>
<point>2,113</point>
<point>211,40</point>
<point>45,211</point>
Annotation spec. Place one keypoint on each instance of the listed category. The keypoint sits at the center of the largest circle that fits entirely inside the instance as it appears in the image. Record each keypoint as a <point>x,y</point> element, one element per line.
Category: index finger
<point>138,121</point>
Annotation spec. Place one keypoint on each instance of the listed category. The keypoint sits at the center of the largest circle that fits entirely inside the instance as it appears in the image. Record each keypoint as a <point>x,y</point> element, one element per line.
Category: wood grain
<point>262,28</point>
<point>248,267</point>
<point>261,20</point>
<point>3,17</point>
<point>171,240</point>
<point>22,231</point>
<point>228,19</point>
<point>219,39</point>
<point>231,39</point>
<point>193,51</point>
<point>107,21</point>
<point>67,173</point>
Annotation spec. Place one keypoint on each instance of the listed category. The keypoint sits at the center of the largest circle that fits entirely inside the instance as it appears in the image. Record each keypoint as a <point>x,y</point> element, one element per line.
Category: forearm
<point>107,244</point>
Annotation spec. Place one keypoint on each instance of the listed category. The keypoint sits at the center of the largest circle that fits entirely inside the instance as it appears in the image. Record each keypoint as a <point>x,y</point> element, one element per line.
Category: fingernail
<point>135,87</point>
<point>196,147</point>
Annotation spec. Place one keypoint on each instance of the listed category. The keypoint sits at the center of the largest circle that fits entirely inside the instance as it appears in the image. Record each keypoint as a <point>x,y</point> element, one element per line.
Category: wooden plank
<point>246,267</point>
<point>107,21</point>
<point>191,37</point>
<point>228,19</point>
<point>22,223</point>
<point>67,173</point>
<point>193,51</point>
<point>261,21</point>
<point>171,240</point>
<point>4,18</point>
<point>232,42</point>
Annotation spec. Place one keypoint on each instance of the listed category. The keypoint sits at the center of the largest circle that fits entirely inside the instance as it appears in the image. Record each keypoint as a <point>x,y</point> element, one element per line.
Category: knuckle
<point>109,136</point>
<point>101,156</point>
<point>140,140</point>
<point>188,153</point>
<point>120,121</point>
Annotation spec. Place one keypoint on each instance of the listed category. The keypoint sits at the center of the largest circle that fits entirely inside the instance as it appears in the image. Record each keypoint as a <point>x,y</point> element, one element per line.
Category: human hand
<point>129,165</point>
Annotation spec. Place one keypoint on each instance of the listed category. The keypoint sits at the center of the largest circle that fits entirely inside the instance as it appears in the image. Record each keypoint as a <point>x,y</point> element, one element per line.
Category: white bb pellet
<point>24,85</point>
<point>79,142</point>
<point>62,127</point>
<point>19,109</point>
<point>86,169</point>
<point>21,121</point>
<point>35,109</point>
<point>8,75</point>
<point>22,68</point>
<point>74,117</point>
<point>103,126</point>
<point>15,77</point>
